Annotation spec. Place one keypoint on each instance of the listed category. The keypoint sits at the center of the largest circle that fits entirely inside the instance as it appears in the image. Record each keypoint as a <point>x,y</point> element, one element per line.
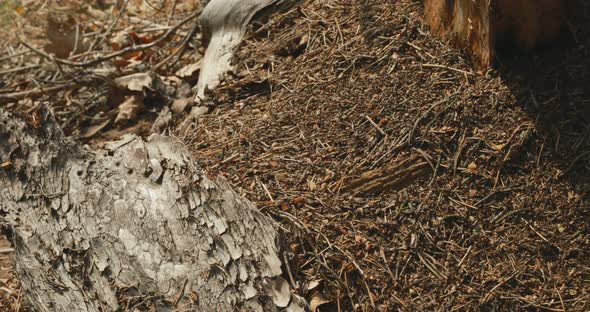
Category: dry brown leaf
<point>162,121</point>
<point>130,108</point>
<point>189,6</point>
<point>498,147</point>
<point>298,201</point>
<point>123,62</point>
<point>180,105</point>
<point>20,10</point>
<point>97,14</point>
<point>189,70</point>
<point>317,299</point>
<point>146,8</point>
<point>171,80</point>
<point>313,284</point>
<point>135,82</point>
<point>64,36</point>
<point>140,39</point>
<point>91,131</point>
<point>284,206</point>
<point>120,39</point>
<point>312,185</point>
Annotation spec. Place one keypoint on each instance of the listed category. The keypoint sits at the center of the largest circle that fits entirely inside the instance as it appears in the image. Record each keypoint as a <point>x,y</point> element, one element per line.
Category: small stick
<point>180,293</point>
<point>355,264</point>
<point>172,11</point>
<point>180,50</point>
<point>449,68</point>
<point>458,154</point>
<point>535,231</point>
<point>4,58</point>
<point>8,97</point>
<point>464,257</point>
<point>100,39</point>
<point>76,40</point>
<point>488,296</point>
<point>267,192</point>
<point>560,298</point>
<point>18,69</point>
<point>286,261</point>
<point>375,125</point>
<point>114,54</point>
<point>392,277</point>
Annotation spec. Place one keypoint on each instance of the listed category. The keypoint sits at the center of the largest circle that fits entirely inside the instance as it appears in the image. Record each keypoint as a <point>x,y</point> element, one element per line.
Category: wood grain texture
<point>479,25</point>
<point>223,23</point>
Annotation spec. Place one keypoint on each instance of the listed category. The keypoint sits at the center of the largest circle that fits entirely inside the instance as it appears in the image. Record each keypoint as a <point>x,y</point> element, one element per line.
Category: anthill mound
<point>404,178</point>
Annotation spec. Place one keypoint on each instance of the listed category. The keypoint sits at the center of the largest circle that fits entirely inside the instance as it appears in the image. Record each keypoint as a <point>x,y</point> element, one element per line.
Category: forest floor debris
<point>333,93</point>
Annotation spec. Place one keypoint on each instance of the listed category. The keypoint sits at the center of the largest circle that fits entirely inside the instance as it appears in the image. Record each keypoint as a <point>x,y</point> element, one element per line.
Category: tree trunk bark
<point>478,25</point>
<point>136,225</point>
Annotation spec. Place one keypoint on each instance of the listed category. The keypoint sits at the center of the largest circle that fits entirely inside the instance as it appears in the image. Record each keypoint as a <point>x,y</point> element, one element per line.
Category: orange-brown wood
<point>478,25</point>
<point>466,22</point>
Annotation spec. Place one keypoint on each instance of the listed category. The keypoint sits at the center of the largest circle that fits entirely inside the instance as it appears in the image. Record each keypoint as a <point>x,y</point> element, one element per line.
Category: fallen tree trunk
<point>134,225</point>
<point>479,25</point>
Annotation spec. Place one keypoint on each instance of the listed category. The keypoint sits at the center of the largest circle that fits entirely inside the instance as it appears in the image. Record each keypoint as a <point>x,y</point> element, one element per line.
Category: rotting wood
<point>479,25</point>
<point>95,231</point>
<point>392,177</point>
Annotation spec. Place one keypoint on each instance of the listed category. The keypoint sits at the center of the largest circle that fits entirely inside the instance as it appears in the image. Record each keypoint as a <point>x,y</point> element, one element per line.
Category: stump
<point>480,25</point>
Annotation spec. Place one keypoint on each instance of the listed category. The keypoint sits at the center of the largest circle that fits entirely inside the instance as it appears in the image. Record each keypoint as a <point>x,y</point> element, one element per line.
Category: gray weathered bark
<point>223,23</point>
<point>134,223</point>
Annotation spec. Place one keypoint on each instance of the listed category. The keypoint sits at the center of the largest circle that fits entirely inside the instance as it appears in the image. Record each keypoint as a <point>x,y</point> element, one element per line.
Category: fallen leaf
<point>162,121</point>
<point>172,80</point>
<point>317,299</point>
<point>313,284</point>
<point>472,166</point>
<point>134,56</point>
<point>126,63</point>
<point>498,147</point>
<point>137,39</point>
<point>189,6</point>
<point>189,70</point>
<point>284,206</point>
<point>120,39</point>
<point>91,131</point>
<point>64,36</point>
<point>312,185</point>
<point>180,105</point>
<point>20,10</point>
<point>279,292</point>
<point>97,14</point>
<point>129,109</point>
<point>135,82</point>
<point>298,200</point>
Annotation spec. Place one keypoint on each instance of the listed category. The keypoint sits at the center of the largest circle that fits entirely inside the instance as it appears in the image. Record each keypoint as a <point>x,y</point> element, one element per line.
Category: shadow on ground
<point>553,86</point>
